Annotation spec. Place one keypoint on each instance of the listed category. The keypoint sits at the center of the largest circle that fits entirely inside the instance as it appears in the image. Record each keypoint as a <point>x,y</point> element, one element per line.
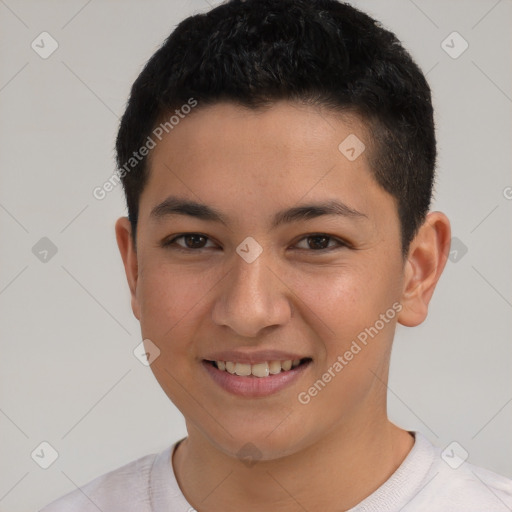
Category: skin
<point>333,452</point>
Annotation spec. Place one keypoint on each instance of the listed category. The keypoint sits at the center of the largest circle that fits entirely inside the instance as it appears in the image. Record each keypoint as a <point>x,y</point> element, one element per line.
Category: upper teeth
<point>259,369</point>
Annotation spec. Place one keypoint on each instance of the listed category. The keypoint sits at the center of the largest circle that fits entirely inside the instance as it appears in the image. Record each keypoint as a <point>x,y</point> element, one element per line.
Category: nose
<point>251,299</point>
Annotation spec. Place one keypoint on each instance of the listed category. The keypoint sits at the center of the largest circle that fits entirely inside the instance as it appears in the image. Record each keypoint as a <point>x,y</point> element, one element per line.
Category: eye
<point>320,242</point>
<point>191,241</point>
<point>317,242</point>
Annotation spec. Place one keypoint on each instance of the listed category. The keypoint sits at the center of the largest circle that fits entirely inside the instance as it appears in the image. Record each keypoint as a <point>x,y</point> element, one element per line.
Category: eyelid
<point>166,243</point>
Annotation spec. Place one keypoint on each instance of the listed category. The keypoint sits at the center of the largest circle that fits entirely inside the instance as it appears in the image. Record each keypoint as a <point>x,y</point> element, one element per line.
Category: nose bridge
<point>251,298</point>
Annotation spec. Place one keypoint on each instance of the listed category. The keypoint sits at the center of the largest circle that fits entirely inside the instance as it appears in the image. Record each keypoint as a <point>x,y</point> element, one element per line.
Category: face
<point>237,280</point>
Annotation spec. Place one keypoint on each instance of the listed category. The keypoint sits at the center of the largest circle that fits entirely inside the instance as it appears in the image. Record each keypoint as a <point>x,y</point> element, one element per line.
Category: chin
<point>253,444</point>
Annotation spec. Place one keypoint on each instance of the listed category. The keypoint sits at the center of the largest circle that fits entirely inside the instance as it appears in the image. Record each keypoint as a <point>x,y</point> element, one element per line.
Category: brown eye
<point>191,241</point>
<point>320,242</point>
<point>194,241</point>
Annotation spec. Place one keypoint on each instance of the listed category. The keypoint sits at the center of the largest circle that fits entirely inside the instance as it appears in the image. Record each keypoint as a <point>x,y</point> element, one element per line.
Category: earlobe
<point>129,256</point>
<point>425,263</point>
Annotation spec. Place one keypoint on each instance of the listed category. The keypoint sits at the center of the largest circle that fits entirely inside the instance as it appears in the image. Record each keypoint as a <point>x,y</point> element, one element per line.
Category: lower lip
<point>253,387</point>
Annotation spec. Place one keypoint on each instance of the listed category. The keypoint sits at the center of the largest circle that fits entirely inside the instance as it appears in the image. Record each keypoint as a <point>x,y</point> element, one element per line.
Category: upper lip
<point>253,357</point>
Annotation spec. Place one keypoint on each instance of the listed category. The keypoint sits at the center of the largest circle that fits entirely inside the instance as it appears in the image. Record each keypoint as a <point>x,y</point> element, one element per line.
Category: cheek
<point>171,302</point>
<point>168,296</point>
<point>337,301</point>
<point>343,298</point>
<point>343,307</point>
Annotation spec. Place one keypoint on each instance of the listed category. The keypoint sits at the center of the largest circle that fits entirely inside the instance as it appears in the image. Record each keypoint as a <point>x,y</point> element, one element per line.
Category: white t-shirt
<point>424,482</point>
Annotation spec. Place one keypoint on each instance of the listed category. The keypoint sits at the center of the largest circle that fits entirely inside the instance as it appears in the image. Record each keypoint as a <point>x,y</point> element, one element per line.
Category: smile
<point>260,370</point>
<point>260,379</point>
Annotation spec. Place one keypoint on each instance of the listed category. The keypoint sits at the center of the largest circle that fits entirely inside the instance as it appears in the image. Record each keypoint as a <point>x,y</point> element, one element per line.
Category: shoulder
<point>124,489</point>
<point>472,488</point>
<point>463,487</point>
<point>433,480</point>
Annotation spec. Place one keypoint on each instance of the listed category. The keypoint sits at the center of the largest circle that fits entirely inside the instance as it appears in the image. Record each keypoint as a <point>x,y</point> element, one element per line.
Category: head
<point>322,53</point>
<point>253,109</point>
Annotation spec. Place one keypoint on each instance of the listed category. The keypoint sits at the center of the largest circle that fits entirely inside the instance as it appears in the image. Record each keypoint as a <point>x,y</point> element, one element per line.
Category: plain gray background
<point>68,373</point>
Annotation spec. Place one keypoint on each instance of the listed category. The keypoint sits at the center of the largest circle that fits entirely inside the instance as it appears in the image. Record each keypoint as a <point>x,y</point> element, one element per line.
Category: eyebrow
<point>177,206</point>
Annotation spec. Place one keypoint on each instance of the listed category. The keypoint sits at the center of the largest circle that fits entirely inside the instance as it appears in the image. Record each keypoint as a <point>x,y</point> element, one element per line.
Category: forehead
<point>287,125</point>
<point>286,134</point>
<point>228,155</point>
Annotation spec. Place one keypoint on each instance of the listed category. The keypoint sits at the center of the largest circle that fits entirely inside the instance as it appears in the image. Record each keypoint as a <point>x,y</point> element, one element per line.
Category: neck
<point>335,473</point>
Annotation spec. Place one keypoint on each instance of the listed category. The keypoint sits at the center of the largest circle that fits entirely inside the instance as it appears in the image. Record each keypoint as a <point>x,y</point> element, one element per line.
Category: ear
<point>426,260</point>
<point>129,256</point>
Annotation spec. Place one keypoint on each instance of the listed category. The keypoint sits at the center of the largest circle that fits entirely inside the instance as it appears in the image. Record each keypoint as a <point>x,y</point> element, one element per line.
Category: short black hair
<point>319,52</point>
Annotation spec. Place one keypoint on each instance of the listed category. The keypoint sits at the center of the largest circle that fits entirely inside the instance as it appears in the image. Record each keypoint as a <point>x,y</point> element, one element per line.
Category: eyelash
<point>341,243</point>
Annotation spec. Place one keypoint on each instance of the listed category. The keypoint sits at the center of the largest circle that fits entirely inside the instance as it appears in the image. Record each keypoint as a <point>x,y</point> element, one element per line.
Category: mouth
<point>258,370</point>
<point>258,379</point>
